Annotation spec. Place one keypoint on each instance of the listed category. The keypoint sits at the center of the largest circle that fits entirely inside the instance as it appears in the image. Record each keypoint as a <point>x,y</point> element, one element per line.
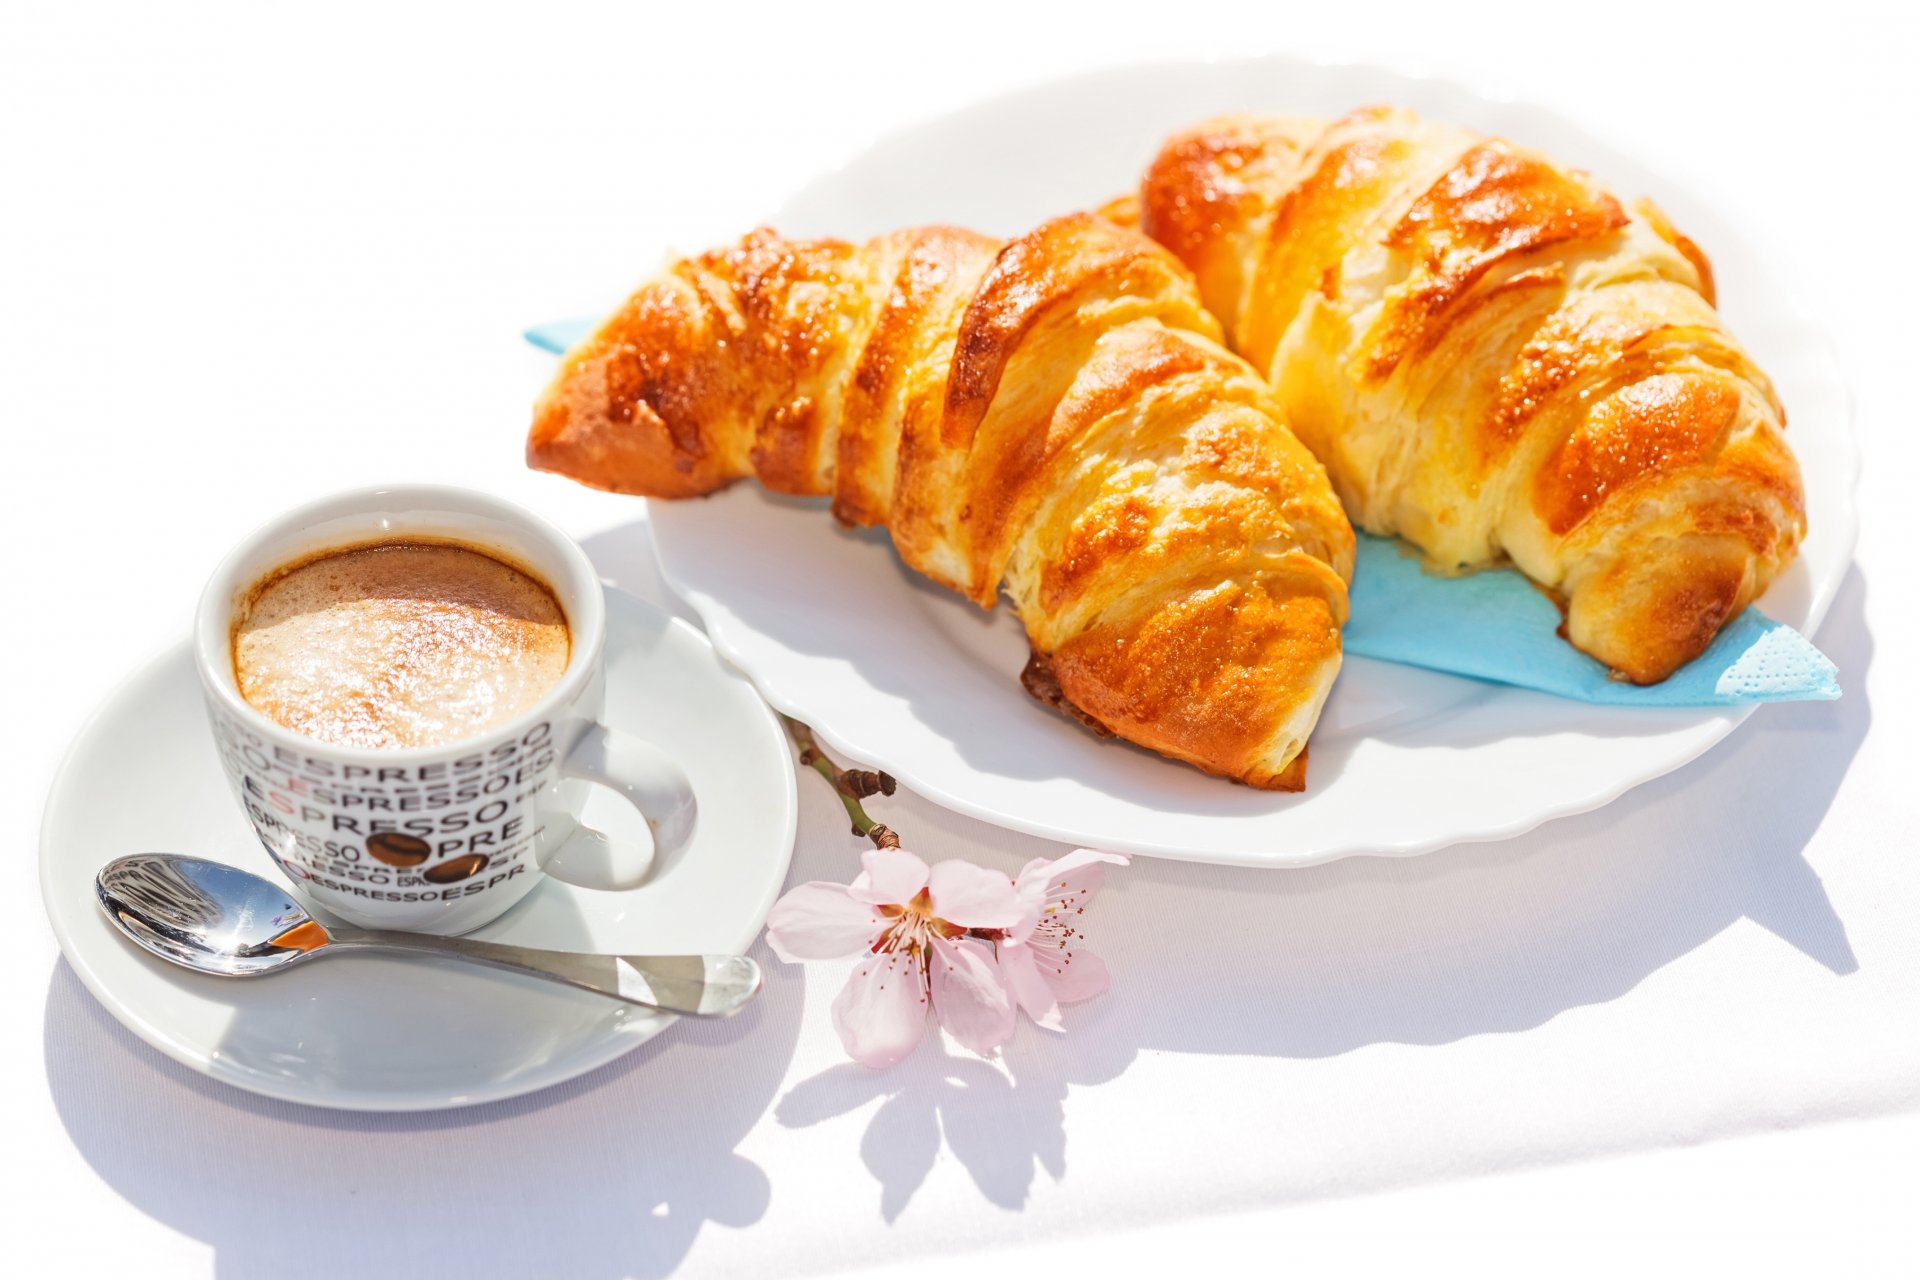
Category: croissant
<point>1055,414</point>
<point>1497,361</point>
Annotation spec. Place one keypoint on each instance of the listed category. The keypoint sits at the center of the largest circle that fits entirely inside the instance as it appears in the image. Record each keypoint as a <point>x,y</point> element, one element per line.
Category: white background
<point>254,254</point>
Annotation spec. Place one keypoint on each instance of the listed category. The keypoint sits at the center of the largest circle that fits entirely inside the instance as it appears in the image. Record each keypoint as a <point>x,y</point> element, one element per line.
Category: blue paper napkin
<point>1495,626</point>
<point>560,336</point>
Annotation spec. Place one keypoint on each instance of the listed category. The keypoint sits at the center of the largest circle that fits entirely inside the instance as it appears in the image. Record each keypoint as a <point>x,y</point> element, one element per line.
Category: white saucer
<point>917,682</point>
<point>377,1033</point>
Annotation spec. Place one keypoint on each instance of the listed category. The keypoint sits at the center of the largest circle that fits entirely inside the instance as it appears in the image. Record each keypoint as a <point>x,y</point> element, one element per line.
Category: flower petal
<point>1029,990</point>
<point>882,1013</point>
<point>819,921</point>
<point>968,996</point>
<point>1028,886</point>
<point>972,897</point>
<point>1030,916</point>
<point>888,877</point>
<point>1073,974</point>
<point>1076,875</point>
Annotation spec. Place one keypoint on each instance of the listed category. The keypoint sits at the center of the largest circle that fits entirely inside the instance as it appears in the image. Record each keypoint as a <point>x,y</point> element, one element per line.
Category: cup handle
<point>652,784</point>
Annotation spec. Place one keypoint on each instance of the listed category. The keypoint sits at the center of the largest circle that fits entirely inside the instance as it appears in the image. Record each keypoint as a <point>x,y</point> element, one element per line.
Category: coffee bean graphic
<point>397,850</point>
<point>456,868</point>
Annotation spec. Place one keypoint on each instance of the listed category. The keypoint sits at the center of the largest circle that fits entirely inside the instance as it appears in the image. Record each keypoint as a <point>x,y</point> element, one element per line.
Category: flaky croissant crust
<point>1497,361</point>
<point>1054,415</point>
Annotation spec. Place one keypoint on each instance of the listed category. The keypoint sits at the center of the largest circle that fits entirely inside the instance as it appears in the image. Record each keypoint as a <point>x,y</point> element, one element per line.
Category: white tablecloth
<point>252,258</point>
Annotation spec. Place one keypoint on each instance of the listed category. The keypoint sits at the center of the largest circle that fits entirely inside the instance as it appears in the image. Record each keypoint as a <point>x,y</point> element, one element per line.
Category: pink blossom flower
<point>909,925</point>
<point>1043,959</point>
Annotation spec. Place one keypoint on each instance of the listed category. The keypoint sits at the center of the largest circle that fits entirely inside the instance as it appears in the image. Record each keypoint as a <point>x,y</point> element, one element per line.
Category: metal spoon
<point>221,920</point>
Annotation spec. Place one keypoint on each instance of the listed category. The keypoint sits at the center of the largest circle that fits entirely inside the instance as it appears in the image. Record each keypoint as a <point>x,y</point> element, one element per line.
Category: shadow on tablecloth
<point>1475,940</point>
<point>610,1175</point>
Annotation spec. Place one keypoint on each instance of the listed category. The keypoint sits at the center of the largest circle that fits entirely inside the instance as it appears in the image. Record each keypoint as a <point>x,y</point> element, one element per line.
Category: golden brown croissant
<point>1497,361</point>
<point>1055,413</point>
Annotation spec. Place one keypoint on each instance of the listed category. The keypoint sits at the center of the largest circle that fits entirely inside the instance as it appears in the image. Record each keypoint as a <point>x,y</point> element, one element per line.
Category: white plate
<point>380,1033</point>
<point>898,674</point>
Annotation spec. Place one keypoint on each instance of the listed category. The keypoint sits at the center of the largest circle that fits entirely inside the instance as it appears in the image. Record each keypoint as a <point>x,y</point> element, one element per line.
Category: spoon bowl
<point>207,915</point>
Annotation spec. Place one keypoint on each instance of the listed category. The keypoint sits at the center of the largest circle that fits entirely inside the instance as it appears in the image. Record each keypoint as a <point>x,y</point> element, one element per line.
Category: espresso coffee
<point>398,644</point>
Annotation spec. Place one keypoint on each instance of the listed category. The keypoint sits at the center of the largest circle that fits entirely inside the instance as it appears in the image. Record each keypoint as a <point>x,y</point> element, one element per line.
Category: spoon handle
<point>707,986</point>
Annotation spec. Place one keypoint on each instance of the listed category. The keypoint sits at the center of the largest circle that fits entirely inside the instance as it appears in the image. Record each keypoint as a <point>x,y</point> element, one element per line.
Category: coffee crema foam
<point>399,644</point>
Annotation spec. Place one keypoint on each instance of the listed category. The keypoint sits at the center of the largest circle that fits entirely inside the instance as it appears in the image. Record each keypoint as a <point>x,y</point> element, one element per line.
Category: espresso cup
<point>437,839</point>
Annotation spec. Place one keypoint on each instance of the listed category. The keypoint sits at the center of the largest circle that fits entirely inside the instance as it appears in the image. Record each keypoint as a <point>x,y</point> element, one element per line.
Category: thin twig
<point>851,785</point>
